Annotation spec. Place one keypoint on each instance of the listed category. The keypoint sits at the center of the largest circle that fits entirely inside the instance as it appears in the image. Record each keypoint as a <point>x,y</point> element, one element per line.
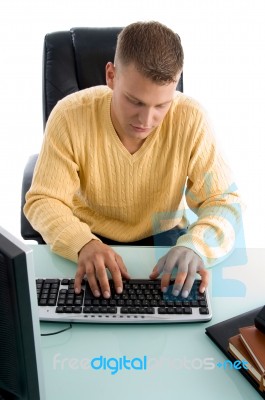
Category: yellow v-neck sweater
<point>87,183</point>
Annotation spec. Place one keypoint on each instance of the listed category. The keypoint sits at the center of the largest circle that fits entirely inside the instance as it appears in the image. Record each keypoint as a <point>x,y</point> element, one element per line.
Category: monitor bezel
<point>21,280</point>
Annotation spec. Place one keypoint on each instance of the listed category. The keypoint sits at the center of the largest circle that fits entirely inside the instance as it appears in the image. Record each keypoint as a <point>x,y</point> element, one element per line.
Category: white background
<point>224,45</point>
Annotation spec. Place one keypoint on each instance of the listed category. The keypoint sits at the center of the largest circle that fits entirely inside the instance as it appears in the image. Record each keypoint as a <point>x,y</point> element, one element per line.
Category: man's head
<point>147,66</point>
<point>154,49</point>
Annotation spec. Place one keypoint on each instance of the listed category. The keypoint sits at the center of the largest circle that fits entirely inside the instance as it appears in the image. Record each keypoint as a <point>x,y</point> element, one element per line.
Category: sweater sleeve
<point>212,195</point>
<point>56,179</point>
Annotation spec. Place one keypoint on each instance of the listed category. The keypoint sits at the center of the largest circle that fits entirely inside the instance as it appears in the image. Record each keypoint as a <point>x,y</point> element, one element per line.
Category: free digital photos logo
<point>114,365</point>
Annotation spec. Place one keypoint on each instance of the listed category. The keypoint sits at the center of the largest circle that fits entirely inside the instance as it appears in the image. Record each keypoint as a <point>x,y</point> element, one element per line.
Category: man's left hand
<point>188,263</point>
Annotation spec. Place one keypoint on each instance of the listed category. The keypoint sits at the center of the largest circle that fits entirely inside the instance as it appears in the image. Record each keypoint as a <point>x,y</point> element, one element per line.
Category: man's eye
<point>135,102</point>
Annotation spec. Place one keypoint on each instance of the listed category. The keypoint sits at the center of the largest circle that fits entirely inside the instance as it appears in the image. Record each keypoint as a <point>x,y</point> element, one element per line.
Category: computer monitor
<point>21,375</point>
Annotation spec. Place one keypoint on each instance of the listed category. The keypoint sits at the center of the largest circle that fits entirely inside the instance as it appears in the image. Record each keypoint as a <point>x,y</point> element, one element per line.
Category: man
<point>119,161</point>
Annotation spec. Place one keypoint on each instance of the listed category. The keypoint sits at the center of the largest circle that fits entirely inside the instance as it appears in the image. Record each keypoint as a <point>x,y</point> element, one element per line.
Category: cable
<point>55,333</point>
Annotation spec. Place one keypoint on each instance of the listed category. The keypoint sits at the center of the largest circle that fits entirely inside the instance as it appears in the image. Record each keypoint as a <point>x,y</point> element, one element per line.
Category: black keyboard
<point>140,301</point>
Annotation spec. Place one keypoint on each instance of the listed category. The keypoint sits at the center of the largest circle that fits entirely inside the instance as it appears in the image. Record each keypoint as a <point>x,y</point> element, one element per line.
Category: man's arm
<point>211,194</point>
<point>49,201</point>
<point>49,208</point>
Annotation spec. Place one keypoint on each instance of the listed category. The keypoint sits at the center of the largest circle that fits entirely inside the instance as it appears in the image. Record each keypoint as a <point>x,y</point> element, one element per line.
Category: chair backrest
<point>75,60</point>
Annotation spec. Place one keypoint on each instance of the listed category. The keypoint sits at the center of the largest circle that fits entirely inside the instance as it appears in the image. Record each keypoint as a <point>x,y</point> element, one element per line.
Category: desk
<point>181,359</point>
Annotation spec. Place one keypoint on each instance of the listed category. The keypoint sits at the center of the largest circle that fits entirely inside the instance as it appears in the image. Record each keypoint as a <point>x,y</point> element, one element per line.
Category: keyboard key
<point>112,310</point>
<point>68,309</point>
<point>77,310</point>
<point>203,310</point>
<point>87,310</point>
<point>179,310</point>
<point>39,285</point>
<point>187,310</point>
<point>178,303</point>
<point>52,281</point>
<point>150,310</point>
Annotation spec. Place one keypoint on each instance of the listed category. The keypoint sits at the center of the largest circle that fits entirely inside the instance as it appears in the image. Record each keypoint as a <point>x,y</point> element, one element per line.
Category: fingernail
<point>106,294</point>
<point>185,293</point>
<point>202,290</point>
<point>175,292</point>
<point>76,291</point>
<point>164,289</point>
<point>119,290</point>
<point>96,293</point>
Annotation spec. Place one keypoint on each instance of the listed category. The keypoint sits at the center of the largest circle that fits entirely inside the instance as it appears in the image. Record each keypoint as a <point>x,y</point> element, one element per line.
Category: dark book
<point>221,333</point>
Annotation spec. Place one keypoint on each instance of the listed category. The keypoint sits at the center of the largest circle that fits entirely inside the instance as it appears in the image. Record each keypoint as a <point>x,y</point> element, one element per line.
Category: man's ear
<point>110,74</point>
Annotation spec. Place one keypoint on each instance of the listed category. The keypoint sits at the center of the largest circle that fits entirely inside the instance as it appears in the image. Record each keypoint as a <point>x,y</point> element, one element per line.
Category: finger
<point>78,279</point>
<point>165,279</point>
<point>158,268</point>
<point>92,280</point>
<point>122,267</point>
<point>155,273</point>
<point>101,274</point>
<point>192,268</point>
<point>179,281</point>
<point>116,276</point>
<point>205,279</point>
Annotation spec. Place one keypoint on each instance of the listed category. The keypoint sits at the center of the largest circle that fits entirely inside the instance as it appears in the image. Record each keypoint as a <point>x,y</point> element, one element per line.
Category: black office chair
<point>72,60</point>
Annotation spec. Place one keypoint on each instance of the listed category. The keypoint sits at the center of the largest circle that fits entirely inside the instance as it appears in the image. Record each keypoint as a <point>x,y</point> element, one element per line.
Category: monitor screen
<point>20,353</point>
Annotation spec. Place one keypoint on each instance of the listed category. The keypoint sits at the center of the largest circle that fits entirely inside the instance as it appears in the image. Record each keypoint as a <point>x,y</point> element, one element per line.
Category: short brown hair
<point>153,48</point>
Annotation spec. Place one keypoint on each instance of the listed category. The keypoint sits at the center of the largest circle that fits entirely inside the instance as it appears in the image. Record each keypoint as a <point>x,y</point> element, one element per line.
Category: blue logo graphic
<point>118,364</point>
<point>228,364</point>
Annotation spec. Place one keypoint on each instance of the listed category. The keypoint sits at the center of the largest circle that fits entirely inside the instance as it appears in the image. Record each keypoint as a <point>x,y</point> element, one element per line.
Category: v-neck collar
<point>151,138</point>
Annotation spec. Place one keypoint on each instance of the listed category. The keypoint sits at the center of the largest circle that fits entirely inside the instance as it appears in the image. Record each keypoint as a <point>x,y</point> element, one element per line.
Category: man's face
<point>138,104</point>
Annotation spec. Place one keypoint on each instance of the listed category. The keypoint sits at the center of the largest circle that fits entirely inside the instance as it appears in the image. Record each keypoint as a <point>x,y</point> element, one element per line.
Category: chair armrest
<point>27,231</point>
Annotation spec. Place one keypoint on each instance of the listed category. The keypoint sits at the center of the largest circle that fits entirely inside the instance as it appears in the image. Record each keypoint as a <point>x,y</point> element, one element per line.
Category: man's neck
<point>131,145</point>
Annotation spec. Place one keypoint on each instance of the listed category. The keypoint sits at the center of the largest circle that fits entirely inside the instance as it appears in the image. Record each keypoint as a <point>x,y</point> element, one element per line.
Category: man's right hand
<point>93,260</point>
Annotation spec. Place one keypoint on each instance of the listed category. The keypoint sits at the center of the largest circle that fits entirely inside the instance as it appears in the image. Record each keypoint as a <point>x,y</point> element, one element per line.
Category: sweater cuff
<point>210,254</point>
<point>71,242</point>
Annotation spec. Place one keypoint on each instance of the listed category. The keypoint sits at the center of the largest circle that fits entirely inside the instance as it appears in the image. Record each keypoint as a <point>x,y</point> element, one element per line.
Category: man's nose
<point>146,118</point>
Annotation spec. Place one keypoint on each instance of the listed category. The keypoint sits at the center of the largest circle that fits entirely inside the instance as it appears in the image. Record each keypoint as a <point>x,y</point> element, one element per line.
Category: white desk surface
<point>178,355</point>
